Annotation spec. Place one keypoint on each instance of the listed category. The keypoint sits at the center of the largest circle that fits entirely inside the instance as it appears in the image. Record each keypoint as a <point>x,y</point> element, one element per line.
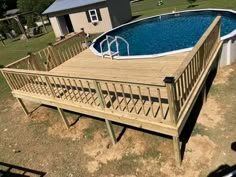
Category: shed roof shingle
<point>60,5</point>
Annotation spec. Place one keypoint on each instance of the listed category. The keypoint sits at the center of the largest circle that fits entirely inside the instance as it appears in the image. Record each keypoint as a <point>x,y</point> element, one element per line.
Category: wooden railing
<point>180,87</point>
<point>142,100</point>
<point>52,56</point>
<point>27,76</point>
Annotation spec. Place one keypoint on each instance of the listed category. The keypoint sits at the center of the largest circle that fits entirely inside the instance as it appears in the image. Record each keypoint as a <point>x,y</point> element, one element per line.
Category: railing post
<point>23,106</point>
<point>33,62</point>
<point>53,55</point>
<point>171,94</point>
<point>61,112</point>
<point>103,105</point>
<point>99,94</point>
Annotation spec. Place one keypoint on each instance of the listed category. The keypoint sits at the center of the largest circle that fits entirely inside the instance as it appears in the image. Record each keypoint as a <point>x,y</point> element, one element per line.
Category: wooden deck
<point>146,71</point>
<point>155,94</point>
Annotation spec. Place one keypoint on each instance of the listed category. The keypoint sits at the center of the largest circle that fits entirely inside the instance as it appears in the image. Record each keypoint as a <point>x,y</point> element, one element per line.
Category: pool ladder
<point>115,40</point>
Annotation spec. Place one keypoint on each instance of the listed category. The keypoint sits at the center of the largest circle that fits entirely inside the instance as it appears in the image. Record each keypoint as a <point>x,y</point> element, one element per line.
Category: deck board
<point>147,71</point>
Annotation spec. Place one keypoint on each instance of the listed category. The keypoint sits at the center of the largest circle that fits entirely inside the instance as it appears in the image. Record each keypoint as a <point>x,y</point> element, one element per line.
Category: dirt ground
<point>44,147</point>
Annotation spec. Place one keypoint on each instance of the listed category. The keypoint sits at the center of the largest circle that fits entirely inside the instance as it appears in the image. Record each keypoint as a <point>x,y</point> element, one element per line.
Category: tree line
<point>23,6</point>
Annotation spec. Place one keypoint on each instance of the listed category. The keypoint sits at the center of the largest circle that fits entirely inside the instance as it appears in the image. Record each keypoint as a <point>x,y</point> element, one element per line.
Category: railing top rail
<point>66,39</point>
<point>54,74</point>
<point>190,56</point>
<point>35,53</point>
<point>15,62</point>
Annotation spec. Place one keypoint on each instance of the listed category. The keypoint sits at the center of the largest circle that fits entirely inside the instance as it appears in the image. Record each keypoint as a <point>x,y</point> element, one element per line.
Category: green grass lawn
<point>147,8</point>
<point>15,50</point>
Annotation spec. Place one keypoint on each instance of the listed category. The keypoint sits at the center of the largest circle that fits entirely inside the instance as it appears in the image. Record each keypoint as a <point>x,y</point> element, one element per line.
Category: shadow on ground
<point>134,18</point>
<point>191,122</point>
<point>223,170</point>
<point>193,5</point>
<point>16,171</point>
<point>233,146</point>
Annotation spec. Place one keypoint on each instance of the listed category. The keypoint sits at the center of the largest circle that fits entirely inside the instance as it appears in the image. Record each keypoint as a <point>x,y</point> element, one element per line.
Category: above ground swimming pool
<point>164,34</point>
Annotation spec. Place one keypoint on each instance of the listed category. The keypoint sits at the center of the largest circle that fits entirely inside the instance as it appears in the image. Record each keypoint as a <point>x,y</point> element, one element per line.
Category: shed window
<point>93,15</point>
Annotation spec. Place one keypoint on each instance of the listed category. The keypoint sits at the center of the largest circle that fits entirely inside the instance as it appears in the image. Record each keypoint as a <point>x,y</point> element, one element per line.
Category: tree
<point>14,25</point>
<point>3,7</point>
<point>191,2</point>
<point>6,5</point>
<point>33,5</point>
<point>4,28</point>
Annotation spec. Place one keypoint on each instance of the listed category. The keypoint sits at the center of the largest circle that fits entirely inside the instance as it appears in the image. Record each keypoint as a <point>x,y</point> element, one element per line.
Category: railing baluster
<point>132,98</point>
<point>44,86</point>
<point>117,97</point>
<point>126,104</point>
<point>26,84</point>
<point>39,85</point>
<point>77,88</point>
<point>72,90</point>
<point>67,90</point>
<point>160,103</point>
<point>150,101</point>
<point>48,82</point>
<point>32,83</point>
<point>12,84</point>
<point>9,81</point>
<point>109,95</point>
<point>62,88</point>
<point>81,84</point>
<point>90,91</point>
<point>140,97</point>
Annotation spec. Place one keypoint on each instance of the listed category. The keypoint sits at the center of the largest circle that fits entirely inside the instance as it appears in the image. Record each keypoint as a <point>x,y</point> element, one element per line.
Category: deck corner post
<point>111,131</point>
<point>62,114</point>
<point>23,106</point>
<point>171,94</point>
<point>177,151</point>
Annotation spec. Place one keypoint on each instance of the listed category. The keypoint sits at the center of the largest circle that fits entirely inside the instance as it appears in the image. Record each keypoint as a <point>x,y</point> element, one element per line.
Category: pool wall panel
<point>228,54</point>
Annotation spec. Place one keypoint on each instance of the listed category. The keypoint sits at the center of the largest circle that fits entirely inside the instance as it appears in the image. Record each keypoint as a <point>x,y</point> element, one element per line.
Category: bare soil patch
<point>211,114</point>
<point>42,142</point>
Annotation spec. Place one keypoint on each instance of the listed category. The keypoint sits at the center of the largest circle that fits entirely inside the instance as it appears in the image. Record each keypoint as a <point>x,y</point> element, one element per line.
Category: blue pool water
<point>168,33</point>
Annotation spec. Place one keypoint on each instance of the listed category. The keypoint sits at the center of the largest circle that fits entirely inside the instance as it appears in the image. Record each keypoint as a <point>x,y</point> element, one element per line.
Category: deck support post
<point>111,131</point>
<point>23,106</point>
<point>204,94</point>
<point>177,151</point>
<point>103,105</point>
<point>170,87</point>
<point>173,108</point>
<point>61,112</point>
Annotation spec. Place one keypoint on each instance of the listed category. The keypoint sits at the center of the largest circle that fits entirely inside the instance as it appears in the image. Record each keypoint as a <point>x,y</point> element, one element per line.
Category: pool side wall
<point>227,55</point>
